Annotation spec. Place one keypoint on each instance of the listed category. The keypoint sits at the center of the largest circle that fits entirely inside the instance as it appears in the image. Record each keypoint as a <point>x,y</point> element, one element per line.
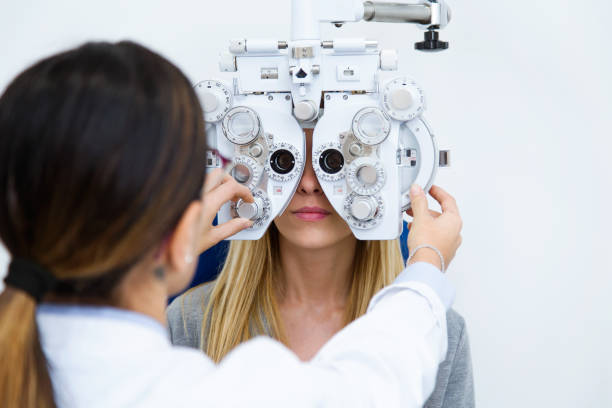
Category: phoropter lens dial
<point>284,162</point>
<point>402,99</point>
<point>241,125</point>
<point>365,176</point>
<point>215,98</point>
<point>246,171</point>
<point>328,161</point>
<point>371,126</point>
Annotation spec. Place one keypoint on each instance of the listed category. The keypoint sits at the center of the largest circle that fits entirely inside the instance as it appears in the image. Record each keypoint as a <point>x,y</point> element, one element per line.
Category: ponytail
<point>24,375</point>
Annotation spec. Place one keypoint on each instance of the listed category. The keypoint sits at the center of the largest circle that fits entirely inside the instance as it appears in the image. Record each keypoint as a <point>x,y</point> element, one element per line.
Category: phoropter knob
<point>251,211</point>
<point>431,42</point>
<point>363,208</point>
<point>216,99</point>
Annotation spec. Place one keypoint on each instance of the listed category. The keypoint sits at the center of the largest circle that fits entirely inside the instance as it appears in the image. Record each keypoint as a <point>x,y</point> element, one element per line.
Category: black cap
<point>431,42</point>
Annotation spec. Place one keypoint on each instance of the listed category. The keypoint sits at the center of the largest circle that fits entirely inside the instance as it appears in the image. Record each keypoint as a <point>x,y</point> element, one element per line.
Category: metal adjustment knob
<point>305,111</point>
<point>363,208</point>
<point>256,150</point>
<point>363,211</point>
<point>251,211</point>
<point>355,149</point>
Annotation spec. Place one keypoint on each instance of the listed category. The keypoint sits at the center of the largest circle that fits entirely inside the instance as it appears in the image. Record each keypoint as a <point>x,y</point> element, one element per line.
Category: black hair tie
<point>30,277</point>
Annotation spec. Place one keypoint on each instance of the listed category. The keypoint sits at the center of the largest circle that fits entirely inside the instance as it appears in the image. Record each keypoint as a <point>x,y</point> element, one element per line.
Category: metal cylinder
<point>396,12</point>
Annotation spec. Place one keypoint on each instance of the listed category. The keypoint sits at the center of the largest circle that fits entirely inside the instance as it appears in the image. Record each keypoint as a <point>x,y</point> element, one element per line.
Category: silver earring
<point>188,259</point>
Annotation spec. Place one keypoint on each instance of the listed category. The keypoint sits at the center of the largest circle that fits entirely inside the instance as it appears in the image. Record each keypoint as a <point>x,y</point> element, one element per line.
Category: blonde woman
<point>301,283</point>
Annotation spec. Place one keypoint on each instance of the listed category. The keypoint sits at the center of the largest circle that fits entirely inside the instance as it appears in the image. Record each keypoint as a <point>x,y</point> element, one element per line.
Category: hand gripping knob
<point>251,211</point>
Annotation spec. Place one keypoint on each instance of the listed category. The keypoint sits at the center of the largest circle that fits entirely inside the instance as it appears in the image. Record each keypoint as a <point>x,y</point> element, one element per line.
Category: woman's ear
<point>181,252</point>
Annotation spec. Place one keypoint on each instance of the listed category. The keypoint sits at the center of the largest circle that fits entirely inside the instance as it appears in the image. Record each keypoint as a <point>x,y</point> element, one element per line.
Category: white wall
<point>522,98</point>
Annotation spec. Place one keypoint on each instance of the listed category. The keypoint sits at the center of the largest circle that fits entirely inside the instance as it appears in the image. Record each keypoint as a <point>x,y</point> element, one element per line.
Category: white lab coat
<point>106,357</point>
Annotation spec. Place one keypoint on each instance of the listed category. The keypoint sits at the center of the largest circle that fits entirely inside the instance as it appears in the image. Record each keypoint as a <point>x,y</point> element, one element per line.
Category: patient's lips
<point>311,213</point>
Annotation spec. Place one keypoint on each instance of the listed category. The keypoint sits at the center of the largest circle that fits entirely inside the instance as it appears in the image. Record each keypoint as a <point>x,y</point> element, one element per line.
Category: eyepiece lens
<point>331,161</point>
<point>282,161</point>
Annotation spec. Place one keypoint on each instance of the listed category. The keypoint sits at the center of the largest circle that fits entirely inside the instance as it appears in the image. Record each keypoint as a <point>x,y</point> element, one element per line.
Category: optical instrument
<point>370,140</point>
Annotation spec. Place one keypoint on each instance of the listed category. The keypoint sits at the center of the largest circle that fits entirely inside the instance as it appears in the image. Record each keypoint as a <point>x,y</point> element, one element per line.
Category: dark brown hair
<point>101,152</point>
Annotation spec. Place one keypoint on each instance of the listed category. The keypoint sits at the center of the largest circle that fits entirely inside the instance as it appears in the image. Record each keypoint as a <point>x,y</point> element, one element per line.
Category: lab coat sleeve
<point>387,358</point>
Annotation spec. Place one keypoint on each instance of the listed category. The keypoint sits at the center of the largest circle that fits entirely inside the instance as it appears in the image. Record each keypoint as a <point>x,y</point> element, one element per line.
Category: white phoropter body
<point>370,140</point>
<point>265,145</point>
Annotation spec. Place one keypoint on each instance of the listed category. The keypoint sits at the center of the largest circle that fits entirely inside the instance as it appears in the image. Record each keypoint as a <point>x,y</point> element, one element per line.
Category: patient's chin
<point>314,235</point>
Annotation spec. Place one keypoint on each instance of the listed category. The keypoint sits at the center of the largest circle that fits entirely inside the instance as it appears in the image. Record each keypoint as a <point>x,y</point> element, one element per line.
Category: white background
<point>523,100</point>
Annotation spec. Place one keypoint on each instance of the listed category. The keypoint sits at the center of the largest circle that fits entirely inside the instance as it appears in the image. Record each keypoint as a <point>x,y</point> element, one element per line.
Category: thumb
<point>418,201</point>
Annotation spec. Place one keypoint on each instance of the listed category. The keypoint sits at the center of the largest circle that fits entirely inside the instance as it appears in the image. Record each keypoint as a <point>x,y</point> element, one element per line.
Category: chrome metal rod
<point>396,12</point>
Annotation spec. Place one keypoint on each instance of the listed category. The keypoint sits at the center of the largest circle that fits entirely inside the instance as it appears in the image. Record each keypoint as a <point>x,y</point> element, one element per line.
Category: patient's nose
<point>309,184</point>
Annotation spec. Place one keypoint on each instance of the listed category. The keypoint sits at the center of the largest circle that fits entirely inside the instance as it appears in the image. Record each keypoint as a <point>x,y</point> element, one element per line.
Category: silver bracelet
<point>436,250</point>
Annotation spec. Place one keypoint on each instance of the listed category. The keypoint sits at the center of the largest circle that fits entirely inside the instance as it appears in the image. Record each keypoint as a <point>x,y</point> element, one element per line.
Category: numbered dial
<point>216,99</point>
<point>328,162</point>
<point>241,125</point>
<point>371,126</point>
<point>402,99</point>
<point>363,212</point>
<point>284,162</point>
<point>258,211</point>
<point>246,171</point>
<point>365,176</point>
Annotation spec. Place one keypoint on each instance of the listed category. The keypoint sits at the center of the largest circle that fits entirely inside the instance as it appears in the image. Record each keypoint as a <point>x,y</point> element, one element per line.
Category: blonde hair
<point>244,295</point>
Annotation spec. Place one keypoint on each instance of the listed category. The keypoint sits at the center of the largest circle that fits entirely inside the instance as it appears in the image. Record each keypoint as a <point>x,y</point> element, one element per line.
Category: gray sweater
<point>454,384</point>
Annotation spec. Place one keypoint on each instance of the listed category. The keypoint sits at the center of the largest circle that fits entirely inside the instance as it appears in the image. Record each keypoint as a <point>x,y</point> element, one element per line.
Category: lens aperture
<point>241,173</point>
<point>282,161</point>
<point>331,161</point>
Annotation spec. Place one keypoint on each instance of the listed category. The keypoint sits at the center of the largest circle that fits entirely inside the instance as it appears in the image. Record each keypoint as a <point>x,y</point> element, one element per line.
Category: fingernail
<point>415,189</point>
